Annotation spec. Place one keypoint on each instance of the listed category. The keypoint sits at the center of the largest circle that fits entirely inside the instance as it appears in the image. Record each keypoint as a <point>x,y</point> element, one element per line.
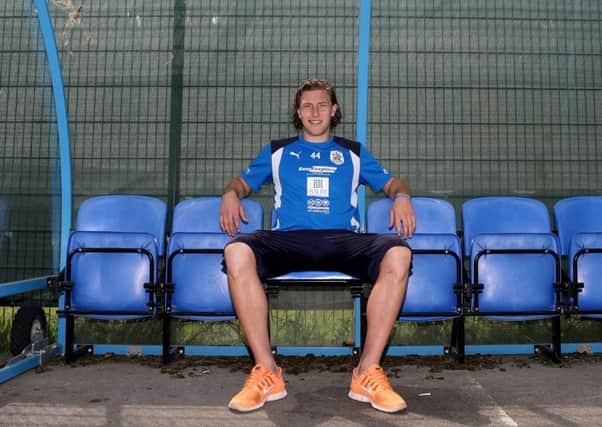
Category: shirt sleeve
<point>260,170</point>
<point>372,173</point>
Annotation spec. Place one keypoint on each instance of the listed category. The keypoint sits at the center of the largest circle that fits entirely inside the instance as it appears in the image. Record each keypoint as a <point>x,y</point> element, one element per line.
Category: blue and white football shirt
<point>316,184</point>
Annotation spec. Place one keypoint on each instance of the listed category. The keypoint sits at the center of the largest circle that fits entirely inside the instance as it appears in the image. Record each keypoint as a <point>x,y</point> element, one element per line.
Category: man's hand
<point>231,213</point>
<point>402,217</point>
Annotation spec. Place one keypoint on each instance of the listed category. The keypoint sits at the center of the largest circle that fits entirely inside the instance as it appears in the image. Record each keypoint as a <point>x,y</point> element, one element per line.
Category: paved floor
<point>132,392</point>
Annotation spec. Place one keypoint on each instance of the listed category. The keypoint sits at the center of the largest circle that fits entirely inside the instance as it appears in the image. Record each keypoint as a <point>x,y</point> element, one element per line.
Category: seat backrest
<point>201,215</point>
<point>432,216</point>
<point>124,213</point>
<point>503,215</point>
<point>582,214</point>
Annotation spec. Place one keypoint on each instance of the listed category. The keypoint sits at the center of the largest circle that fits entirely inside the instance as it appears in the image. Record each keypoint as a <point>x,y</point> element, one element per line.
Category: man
<point>316,178</point>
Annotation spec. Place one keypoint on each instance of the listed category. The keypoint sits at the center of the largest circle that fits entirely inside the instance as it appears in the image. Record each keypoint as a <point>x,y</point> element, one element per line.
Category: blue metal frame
<point>499,349</point>
<point>315,350</point>
<point>422,350</point>
<point>363,71</point>
<point>29,362</point>
<point>156,350</point>
<point>596,347</point>
<point>216,350</point>
<point>62,121</point>
<point>357,321</point>
<point>484,349</point>
<point>124,349</point>
<point>235,350</point>
<point>22,286</point>
<point>55,69</point>
<point>219,350</point>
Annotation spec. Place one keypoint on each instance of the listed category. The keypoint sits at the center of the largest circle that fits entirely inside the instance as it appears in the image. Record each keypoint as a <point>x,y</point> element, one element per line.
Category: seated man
<point>316,177</point>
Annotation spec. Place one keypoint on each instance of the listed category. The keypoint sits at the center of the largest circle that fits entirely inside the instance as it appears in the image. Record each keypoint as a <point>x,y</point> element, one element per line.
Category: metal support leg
<point>457,341</point>
<point>69,327</point>
<point>556,335</point>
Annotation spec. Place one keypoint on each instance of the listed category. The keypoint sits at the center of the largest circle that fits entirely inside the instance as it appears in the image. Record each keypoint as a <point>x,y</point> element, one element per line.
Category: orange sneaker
<point>374,387</point>
<point>261,385</point>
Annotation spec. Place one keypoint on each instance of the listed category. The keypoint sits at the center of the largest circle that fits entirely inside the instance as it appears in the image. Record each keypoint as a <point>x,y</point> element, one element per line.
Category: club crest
<point>336,157</point>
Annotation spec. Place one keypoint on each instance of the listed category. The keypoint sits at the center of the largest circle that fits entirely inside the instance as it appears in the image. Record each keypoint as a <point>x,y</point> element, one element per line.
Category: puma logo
<point>297,155</point>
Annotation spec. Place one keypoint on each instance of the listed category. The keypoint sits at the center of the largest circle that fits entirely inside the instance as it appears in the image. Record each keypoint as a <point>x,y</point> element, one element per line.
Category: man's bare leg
<point>250,301</point>
<point>369,381</point>
<point>384,304</point>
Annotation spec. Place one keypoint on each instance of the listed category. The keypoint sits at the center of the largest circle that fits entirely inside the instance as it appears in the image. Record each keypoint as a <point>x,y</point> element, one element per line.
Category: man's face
<point>316,112</point>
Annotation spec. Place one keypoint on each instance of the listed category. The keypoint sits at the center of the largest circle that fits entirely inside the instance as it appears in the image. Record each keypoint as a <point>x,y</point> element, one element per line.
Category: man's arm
<point>231,211</point>
<point>402,213</point>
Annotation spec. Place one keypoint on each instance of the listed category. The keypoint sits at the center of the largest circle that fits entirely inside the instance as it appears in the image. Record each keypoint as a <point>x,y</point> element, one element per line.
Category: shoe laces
<point>376,380</point>
<point>258,379</point>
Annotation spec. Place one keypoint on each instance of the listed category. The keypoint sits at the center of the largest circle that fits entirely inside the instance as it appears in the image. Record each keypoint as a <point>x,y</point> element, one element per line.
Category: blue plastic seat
<point>514,260</point>
<point>196,287</point>
<point>112,260</point>
<point>579,223</point>
<point>435,290</point>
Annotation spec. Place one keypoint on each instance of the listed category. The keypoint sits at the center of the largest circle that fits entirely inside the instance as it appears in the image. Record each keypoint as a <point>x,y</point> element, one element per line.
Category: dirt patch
<point>190,366</point>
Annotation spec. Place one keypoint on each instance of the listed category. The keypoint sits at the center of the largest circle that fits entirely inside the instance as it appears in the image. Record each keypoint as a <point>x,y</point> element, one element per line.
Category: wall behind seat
<point>472,98</point>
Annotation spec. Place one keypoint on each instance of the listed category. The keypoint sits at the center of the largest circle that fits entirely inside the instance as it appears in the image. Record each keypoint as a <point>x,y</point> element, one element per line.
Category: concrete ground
<point>118,391</point>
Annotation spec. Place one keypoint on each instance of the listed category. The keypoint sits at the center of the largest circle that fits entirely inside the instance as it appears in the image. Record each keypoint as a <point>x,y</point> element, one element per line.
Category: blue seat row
<point>513,262</point>
<point>579,223</point>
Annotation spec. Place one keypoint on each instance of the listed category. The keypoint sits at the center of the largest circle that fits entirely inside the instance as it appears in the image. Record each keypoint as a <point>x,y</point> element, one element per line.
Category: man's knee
<point>238,257</point>
<point>396,262</point>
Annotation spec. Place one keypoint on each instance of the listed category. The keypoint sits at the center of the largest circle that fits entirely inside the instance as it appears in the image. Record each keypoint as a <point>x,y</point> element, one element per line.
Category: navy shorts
<point>356,254</point>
